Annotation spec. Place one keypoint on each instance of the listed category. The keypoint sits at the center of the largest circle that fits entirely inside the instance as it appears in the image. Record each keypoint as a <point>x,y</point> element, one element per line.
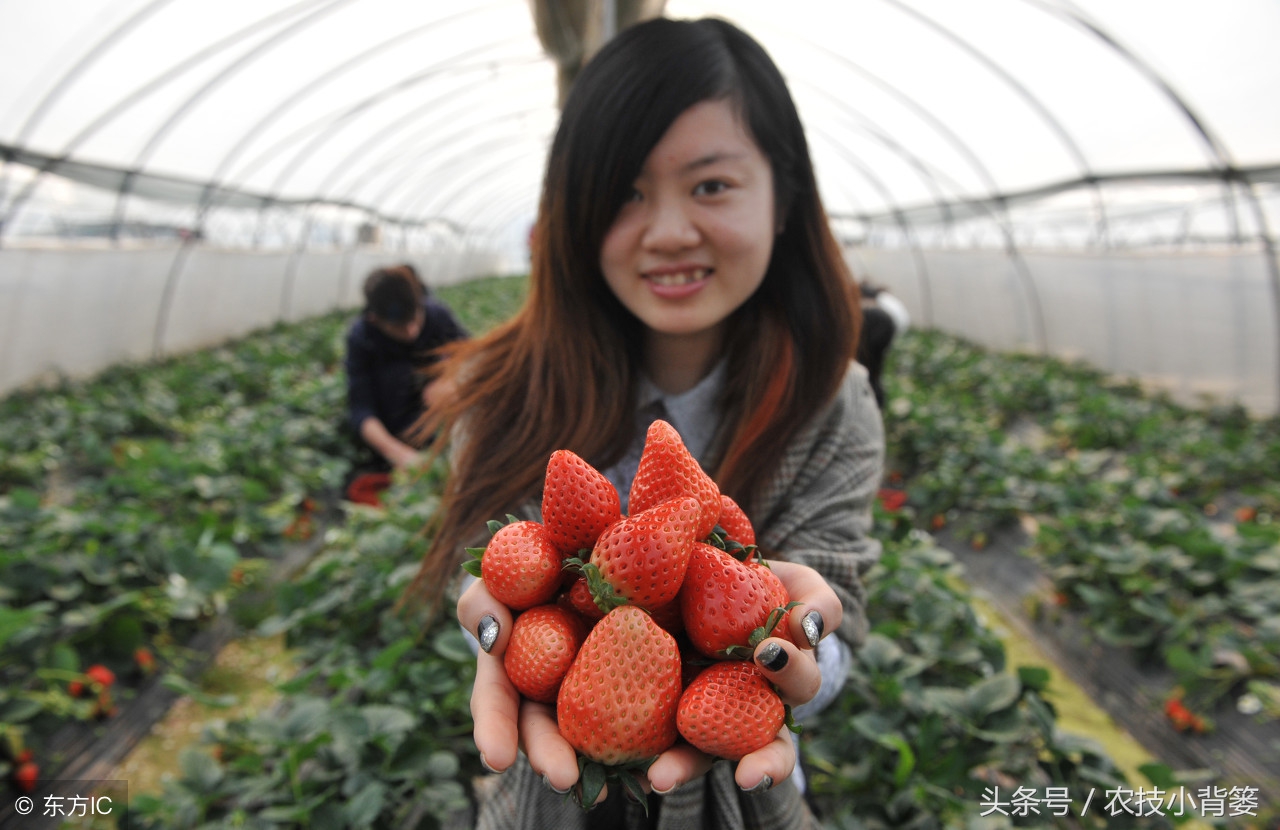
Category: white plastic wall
<point>1191,323</point>
<point>75,311</point>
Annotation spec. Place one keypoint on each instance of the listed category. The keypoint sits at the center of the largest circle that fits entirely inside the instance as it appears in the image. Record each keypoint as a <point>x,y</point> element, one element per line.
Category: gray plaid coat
<point>816,511</point>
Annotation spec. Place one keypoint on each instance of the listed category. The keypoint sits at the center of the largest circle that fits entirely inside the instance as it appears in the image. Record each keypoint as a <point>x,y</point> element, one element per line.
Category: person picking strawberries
<point>683,271</point>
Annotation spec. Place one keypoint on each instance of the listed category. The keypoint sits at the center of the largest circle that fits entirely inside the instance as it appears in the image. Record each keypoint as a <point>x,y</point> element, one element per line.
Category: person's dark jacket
<point>383,374</point>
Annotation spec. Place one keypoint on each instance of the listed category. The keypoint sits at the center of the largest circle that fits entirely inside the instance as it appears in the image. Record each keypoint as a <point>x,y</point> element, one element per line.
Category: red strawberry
<point>544,641</point>
<point>99,673</point>
<point>145,659</point>
<point>730,710</point>
<point>520,566</point>
<point>26,775</point>
<point>579,598</point>
<point>618,702</point>
<point>735,522</point>
<point>668,471</point>
<point>643,557</point>
<point>578,502</point>
<point>724,602</point>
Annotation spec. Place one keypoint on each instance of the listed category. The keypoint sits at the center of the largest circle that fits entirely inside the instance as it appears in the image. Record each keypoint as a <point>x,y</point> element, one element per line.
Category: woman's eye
<point>710,188</point>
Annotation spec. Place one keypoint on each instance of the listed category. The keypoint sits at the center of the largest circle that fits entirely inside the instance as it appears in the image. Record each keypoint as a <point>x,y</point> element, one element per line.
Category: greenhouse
<point>1066,605</point>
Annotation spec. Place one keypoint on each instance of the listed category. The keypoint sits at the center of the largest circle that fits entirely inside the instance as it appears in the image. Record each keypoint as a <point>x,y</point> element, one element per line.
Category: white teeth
<point>680,277</point>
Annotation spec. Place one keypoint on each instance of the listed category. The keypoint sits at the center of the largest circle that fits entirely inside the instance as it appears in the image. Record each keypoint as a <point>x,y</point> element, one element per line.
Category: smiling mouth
<point>678,278</point>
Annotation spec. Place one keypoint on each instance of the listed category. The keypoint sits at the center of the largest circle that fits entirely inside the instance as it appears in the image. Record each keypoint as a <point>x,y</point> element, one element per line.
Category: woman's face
<point>693,242</point>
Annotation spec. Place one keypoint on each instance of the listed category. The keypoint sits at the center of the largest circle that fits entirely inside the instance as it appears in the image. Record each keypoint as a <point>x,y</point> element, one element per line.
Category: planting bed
<point>374,730</point>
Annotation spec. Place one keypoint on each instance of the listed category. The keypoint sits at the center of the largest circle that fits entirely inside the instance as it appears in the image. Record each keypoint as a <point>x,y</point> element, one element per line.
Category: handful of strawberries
<point>639,628</point>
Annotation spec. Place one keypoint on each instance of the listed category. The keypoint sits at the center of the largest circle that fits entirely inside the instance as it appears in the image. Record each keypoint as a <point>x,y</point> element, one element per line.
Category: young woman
<point>683,268</point>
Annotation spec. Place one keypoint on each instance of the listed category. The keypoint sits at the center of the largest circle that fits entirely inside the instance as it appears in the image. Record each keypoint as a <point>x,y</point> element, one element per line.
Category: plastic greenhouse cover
<point>444,110</point>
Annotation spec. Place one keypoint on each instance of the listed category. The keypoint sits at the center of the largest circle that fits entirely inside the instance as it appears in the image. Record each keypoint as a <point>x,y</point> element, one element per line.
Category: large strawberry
<point>729,605</point>
<point>520,566</point>
<point>617,705</point>
<point>643,557</point>
<point>578,502</point>
<point>667,470</point>
<point>544,641</point>
<point>730,710</point>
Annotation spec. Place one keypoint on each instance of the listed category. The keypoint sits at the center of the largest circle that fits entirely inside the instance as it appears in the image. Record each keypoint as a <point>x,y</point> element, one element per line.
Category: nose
<point>670,227</point>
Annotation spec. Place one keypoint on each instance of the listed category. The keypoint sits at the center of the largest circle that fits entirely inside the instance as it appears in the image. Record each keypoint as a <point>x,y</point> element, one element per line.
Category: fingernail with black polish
<point>812,625</point>
<point>773,657</point>
<point>485,764</point>
<point>765,783</point>
<point>487,632</point>
<point>546,780</point>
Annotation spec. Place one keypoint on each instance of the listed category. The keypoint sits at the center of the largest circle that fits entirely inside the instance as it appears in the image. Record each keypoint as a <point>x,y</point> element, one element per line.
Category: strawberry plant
<point>1130,494</point>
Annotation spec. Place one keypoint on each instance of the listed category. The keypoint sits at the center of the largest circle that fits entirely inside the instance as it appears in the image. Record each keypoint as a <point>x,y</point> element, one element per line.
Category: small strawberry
<point>26,775</point>
<point>618,702</point>
<point>667,470</point>
<point>730,710</point>
<point>101,675</point>
<point>579,598</point>
<point>145,660</point>
<point>544,641</point>
<point>578,502</point>
<point>728,605</point>
<point>520,566</point>
<point>734,521</point>
<point>643,557</point>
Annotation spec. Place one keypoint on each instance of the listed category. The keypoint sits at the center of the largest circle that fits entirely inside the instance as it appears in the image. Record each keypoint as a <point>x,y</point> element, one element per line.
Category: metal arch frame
<point>406,155</point>
<point>904,225</point>
<point>177,266</point>
<point>1230,173</point>
<point>476,200</point>
<point>520,144</point>
<point>137,95</point>
<point>208,87</point>
<point>1050,120</point>
<point>255,130</point>
<point>424,110</point>
<point>1031,295</point>
<point>300,245</point>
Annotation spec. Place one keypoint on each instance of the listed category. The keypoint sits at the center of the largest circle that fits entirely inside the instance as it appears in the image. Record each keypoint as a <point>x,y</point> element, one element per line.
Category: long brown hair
<point>561,374</point>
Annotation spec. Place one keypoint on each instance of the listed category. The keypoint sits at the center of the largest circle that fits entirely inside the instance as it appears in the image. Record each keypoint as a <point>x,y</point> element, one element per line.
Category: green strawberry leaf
<point>494,526</point>
<point>631,782</point>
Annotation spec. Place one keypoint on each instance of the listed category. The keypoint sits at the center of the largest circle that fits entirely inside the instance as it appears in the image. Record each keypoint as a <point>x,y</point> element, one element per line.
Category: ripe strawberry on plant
<point>729,606</point>
<point>667,470</point>
<point>520,566</point>
<point>730,710</point>
<point>25,776</point>
<point>578,502</point>
<point>642,558</point>
<point>617,705</point>
<point>543,643</point>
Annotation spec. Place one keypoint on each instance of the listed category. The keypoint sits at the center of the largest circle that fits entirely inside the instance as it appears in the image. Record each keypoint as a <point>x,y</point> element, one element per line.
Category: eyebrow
<point>710,159</point>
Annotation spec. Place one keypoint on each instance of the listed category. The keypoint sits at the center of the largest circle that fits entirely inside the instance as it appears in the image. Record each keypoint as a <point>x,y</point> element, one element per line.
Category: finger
<point>488,620</point>
<point>495,707</point>
<point>792,670</point>
<point>550,755</point>
<point>674,767</point>
<point>764,768</point>
<point>819,612</point>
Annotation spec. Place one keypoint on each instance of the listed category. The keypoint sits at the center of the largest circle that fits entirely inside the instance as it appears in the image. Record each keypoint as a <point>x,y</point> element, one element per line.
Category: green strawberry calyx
<point>760,634</point>
<point>593,775</point>
<point>472,565</point>
<point>602,592</point>
<point>719,538</point>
